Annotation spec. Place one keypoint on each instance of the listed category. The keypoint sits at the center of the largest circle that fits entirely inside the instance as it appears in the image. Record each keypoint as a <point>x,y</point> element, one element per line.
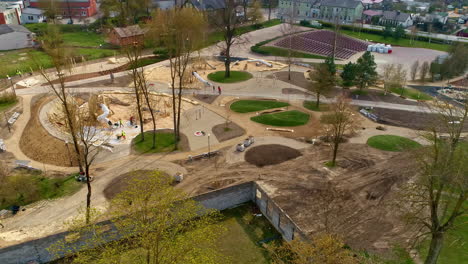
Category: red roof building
<point>75,8</point>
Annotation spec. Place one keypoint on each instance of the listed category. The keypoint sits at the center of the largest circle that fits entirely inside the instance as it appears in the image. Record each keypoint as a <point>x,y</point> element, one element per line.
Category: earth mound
<point>270,154</point>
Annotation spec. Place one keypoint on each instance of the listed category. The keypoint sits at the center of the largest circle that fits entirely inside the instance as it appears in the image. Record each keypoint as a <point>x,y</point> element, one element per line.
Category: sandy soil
<point>222,134</point>
<point>363,183</point>
<point>270,154</point>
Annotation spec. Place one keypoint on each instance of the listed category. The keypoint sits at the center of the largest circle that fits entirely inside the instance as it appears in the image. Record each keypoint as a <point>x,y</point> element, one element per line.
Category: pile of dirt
<point>270,154</point>
<point>39,145</point>
<point>206,98</point>
<point>223,132</point>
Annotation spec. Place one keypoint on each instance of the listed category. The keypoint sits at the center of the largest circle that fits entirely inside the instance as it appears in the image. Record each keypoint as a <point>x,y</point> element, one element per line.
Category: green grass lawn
<point>7,100</point>
<point>246,106</point>
<point>312,105</point>
<point>280,52</point>
<point>244,230</point>
<point>283,119</point>
<point>392,143</point>
<point>236,76</point>
<point>26,188</point>
<point>83,39</point>
<point>411,93</point>
<point>164,143</point>
<point>392,41</point>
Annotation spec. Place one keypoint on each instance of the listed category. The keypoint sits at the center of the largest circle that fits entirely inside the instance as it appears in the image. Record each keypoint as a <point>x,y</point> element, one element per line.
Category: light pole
<point>12,85</point>
<point>209,154</point>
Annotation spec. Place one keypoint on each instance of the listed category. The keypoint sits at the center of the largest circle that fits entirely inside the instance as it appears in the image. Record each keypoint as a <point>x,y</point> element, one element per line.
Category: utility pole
<point>12,85</point>
<point>209,152</point>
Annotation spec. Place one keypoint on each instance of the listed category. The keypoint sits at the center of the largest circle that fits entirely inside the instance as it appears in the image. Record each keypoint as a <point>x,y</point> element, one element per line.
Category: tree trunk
<point>318,100</point>
<point>174,112</point>
<point>335,151</point>
<point>227,63</point>
<point>435,247</point>
<point>137,94</point>
<point>73,135</point>
<point>88,196</point>
<point>269,10</point>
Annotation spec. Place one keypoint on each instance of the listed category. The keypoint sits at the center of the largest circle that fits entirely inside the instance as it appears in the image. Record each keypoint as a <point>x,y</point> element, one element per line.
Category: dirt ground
<point>122,81</point>
<point>270,154</point>
<point>233,131</point>
<point>39,145</point>
<point>377,96</point>
<point>121,182</point>
<point>206,98</point>
<point>362,185</point>
<point>413,120</point>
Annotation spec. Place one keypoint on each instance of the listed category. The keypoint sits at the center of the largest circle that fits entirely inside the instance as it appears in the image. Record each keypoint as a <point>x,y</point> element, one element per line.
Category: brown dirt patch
<point>378,96</point>
<point>206,98</point>
<point>270,154</point>
<point>223,132</point>
<point>122,81</point>
<point>297,78</point>
<point>121,182</point>
<point>39,145</point>
<point>293,91</point>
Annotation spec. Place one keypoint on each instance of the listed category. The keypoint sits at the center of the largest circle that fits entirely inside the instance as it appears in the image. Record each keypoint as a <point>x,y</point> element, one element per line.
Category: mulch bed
<point>233,131</point>
<point>271,154</point>
<point>121,182</point>
<point>206,98</point>
<point>413,120</point>
<point>377,96</point>
<point>122,81</point>
<point>297,78</point>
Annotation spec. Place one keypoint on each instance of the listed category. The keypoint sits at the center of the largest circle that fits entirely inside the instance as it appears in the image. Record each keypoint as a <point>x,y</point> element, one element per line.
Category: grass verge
<point>236,76</point>
<point>392,143</point>
<point>411,93</point>
<point>283,119</point>
<point>165,142</point>
<point>312,105</point>
<point>246,106</point>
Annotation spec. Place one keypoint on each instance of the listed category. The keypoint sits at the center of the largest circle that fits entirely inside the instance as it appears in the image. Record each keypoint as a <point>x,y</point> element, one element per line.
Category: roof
<point>341,3</point>
<point>395,15</point>
<point>367,2</point>
<point>5,29</point>
<point>372,12</point>
<point>208,4</point>
<point>32,11</point>
<point>129,31</point>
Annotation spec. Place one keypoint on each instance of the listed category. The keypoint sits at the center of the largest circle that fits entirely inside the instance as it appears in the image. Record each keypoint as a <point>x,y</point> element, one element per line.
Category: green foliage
<point>392,143</point>
<point>387,32</point>
<point>246,106</point>
<point>283,119</point>
<point>22,188</point>
<point>236,76</point>
<point>399,32</point>
<point>313,106</point>
<point>164,143</point>
<point>349,74</point>
<point>366,71</point>
<point>410,93</point>
<point>331,66</point>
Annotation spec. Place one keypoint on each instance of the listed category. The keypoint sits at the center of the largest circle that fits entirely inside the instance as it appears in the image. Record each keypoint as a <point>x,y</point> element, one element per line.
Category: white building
<point>32,15</point>
<point>15,37</point>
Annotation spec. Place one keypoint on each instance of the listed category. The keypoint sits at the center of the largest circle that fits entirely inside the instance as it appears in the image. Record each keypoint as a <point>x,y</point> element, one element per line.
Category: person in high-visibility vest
<point>124,136</point>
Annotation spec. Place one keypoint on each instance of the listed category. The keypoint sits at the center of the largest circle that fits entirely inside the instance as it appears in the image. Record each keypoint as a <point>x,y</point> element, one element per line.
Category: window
<point>83,13</point>
<point>30,18</point>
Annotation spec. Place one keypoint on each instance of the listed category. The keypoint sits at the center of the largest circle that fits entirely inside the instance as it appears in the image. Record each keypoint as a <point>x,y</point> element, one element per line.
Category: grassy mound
<point>245,106</point>
<point>283,119</point>
<point>236,76</point>
<point>270,154</point>
<point>411,93</point>
<point>164,142</point>
<point>392,143</point>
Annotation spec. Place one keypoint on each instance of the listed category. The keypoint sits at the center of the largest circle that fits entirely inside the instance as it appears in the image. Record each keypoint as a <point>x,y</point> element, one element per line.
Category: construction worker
<point>120,123</point>
<point>124,136</point>
<point>219,89</point>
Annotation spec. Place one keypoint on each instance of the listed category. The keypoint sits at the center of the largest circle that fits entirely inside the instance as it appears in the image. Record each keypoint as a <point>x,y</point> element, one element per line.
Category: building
<point>123,36</point>
<point>75,8</point>
<point>371,4</point>
<point>346,11</point>
<point>441,17</point>
<point>10,13</point>
<point>32,15</point>
<point>16,37</point>
<point>395,18</point>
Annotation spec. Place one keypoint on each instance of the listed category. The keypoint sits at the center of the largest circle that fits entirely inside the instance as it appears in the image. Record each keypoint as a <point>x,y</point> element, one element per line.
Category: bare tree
<point>387,76</point>
<point>133,54</point>
<point>181,31</point>
<point>414,70</point>
<point>148,100</point>
<point>339,121</point>
<point>52,43</point>
<point>424,71</point>
<point>322,81</point>
<point>437,196</point>
<point>288,30</point>
<point>228,22</point>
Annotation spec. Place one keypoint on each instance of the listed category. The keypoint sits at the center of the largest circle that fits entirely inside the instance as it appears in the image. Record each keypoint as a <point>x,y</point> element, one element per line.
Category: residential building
<point>124,36</point>
<point>395,18</point>
<point>10,14</point>
<point>346,11</point>
<point>16,37</point>
<point>442,17</point>
<point>32,15</point>
<point>73,8</point>
<point>368,4</point>
<point>371,16</point>
<point>416,5</point>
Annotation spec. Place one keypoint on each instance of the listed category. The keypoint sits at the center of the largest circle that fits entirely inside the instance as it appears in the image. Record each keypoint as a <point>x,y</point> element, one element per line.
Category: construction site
<point>229,137</point>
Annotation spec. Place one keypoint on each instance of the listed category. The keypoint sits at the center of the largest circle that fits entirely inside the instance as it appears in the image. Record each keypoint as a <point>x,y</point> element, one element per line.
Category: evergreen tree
<point>349,74</point>
<point>366,73</point>
<point>387,32</point>
<point>399,32</point>
<point>331,66</point>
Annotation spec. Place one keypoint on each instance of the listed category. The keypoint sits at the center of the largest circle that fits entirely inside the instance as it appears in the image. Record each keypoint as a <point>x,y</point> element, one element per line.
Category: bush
<point>162,53</point>
<point>305,23</point>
